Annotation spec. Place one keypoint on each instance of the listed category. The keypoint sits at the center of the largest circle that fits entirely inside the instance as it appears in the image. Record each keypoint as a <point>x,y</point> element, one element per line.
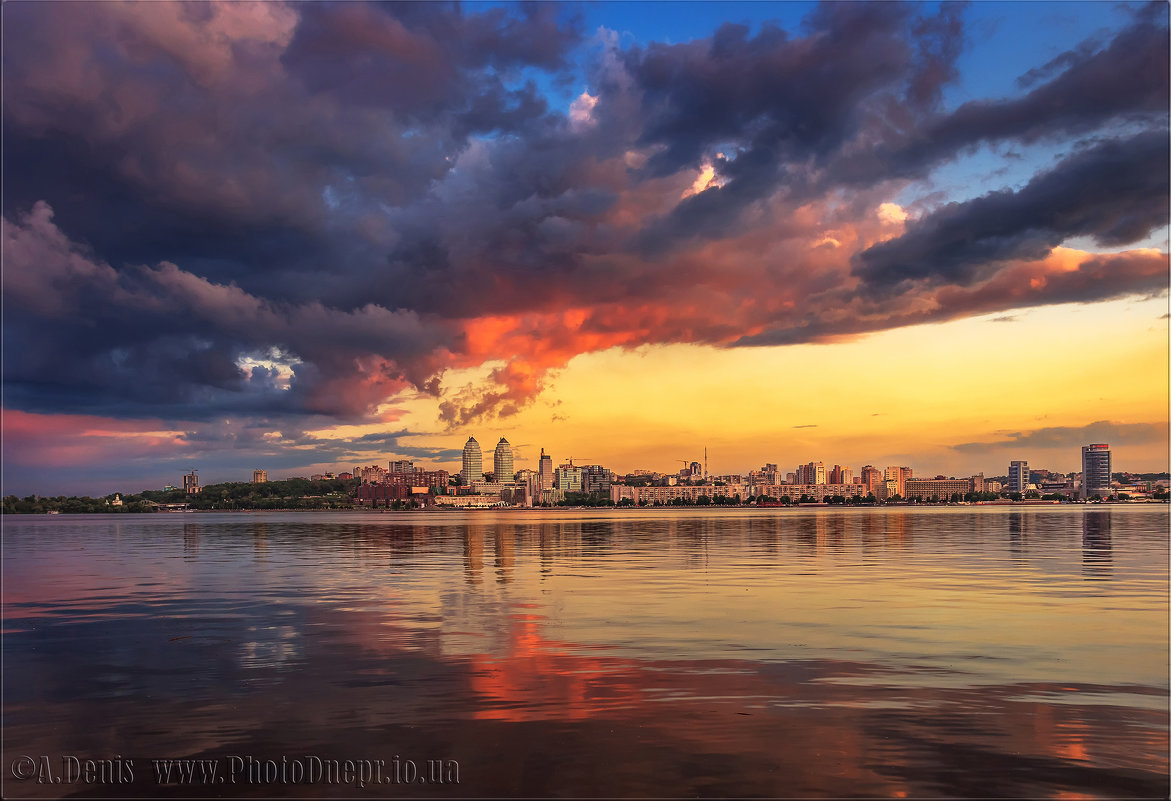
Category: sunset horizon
<point>308,237</point>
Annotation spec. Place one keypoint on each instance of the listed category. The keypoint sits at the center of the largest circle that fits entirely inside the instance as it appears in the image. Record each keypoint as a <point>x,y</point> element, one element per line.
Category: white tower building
<point>473,462</point>
<point>502,461</point>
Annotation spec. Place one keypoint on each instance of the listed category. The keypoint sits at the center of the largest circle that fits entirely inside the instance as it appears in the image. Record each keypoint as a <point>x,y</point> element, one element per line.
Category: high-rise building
<point>191,483</point>
<point>502,461</point>
<point>872,479</point>
<point>1095,470</point>
<point>765,475</point>
<point>531,480</point>
<point>545,471</point>
<point>1018,476</point>
<point>568,478</point>
<point>841,475</point>
<point>899,475</point>
<point>259,476</point>
<point>812,473</point>
<point>596,478</point>
<point>473,466</point>
<point>402,466</point>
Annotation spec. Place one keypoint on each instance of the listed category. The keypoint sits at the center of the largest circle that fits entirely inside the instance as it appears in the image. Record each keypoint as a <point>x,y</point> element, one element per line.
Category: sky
<point>304,237</point>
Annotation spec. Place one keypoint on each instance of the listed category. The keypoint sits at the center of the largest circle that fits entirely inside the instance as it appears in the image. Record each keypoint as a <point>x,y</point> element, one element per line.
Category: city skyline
<point>815,473</point>
<point>897,233</point>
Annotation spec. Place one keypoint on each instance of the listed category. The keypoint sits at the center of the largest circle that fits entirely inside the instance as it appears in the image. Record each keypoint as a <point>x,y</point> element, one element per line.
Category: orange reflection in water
<point>815,734</point>
<point>536,678</point>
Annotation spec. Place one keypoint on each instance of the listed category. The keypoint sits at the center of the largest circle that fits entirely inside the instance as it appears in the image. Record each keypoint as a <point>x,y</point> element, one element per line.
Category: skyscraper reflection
<point>190,540</point>
<point>504,547</point>
<point>473,553</point>
<point>1096,545</point>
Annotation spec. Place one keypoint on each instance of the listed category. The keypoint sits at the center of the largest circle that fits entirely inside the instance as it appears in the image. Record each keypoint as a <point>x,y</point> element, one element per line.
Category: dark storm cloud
<point>154,139</point>
<point>1078,91</point>
<point>285,451</point>
<point>274,210</point>
<point>424,62</point>
<point>1115,192</point>
<point>82,336</point>
<point>773,104</point>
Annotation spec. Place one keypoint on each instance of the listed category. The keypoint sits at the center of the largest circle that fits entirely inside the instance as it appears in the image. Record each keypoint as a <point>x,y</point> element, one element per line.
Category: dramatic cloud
<point>277,211</point>
<point>1067,438</point>
<point>1115,192</point>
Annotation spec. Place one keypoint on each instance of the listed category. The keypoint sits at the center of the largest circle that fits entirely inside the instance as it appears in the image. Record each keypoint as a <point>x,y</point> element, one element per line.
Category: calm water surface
<point>1013,652</point>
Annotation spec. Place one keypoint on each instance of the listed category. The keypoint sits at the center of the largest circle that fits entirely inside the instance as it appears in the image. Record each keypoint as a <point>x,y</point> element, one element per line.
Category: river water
<point>898,652</point>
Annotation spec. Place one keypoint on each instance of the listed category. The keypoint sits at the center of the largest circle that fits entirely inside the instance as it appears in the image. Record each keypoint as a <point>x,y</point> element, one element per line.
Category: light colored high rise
<point>812,473</point>
<point>259,476</point>
<point>502,461</point>
<point>569,478</point>
<point>1018,476</point>
<point>473,467</point>
<point>899,475</point>
<point>531,479</point>
<point>1096,470</point>
<point>545,471</point>
<point>402,466</point>
<point>841,475</point>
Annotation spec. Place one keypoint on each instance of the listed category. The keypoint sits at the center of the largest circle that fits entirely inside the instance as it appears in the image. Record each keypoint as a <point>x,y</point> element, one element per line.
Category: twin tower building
<point>473,466</point>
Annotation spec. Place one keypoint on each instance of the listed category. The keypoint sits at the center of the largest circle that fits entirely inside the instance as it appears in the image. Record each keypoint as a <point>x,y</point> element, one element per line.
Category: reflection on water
<point>897,652</point>
<point>1096,544</point>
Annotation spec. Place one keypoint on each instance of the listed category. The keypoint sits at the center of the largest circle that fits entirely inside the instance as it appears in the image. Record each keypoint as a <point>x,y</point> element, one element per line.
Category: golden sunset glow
<point>904,396</point>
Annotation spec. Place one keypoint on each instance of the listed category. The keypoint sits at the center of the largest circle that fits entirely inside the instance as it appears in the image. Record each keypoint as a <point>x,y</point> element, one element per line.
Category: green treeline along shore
<point>295,493</point>
<point>301,493</point>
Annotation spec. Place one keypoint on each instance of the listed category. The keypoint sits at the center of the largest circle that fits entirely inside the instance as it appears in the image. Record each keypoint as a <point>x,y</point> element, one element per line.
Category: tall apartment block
<point>473,462</point>
<point>1018,476</point>
<point>1095,470</point>
<point>545,471</point>
<point>191,483</point>
<point>502,466</point>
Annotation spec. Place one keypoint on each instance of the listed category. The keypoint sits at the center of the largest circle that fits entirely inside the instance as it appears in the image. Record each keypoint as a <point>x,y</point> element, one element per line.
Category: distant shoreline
<point>668,508</point>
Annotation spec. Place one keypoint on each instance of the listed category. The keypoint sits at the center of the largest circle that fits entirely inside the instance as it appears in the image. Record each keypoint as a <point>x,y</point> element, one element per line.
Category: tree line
<point>295,493</point>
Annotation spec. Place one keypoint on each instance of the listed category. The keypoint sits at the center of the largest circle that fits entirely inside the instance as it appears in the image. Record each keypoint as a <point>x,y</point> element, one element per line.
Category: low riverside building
<point>512,492</point>
<point>662,495</point>
<point>818,491</point>
<point>375,495</point>
<point>469,502</point>
<point>551,496</point>
<point>941,488</point>
<point>419,478</point>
